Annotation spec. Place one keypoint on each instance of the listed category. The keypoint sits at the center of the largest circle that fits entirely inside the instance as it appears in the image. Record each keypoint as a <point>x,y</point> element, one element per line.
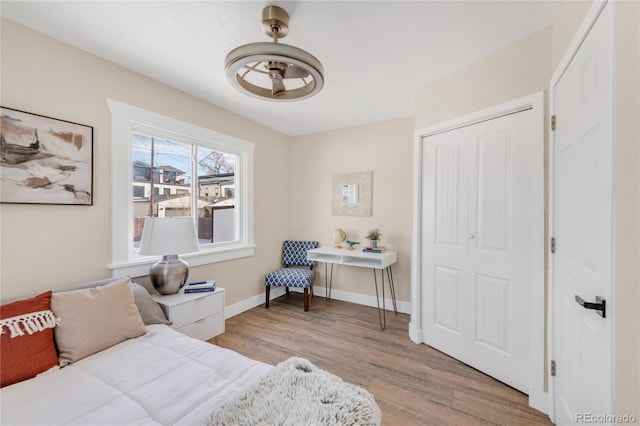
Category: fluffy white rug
<point>296,392</point>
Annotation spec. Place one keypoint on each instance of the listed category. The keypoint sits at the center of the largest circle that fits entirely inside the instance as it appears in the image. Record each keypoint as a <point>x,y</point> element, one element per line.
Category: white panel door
<point>477,245</point>
<point>445,193</point>
<point>582,227</point>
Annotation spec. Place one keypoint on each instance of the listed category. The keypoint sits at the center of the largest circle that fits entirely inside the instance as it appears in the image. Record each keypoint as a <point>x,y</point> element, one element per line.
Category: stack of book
<point>200,286</point>
<point>374,249</point>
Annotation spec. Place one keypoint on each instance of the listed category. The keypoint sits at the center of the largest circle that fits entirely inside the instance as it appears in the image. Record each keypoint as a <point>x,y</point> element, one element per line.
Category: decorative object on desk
<point>168,235</point>
<point>377,249</point>
<point>374,236</point>
<point>352,244</point>
<point>45,160</point>
<point>199,286</point>
<point>351,194</point>
<point>338,236</point>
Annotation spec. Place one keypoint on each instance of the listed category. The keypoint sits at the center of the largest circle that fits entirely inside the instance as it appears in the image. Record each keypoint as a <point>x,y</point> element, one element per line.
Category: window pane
<point>161,180</point>
<point>216,196</point>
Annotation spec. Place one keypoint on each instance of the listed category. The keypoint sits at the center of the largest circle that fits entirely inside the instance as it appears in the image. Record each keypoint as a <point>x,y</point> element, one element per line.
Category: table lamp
<point>174,235</point>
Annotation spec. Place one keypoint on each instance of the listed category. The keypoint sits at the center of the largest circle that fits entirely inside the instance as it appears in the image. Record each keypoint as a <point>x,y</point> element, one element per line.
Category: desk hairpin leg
<point>381,315</point>
<point>328,278</point>
<point>392,289</point>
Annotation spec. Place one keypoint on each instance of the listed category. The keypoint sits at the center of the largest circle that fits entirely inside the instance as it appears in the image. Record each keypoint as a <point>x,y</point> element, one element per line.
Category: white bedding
<point>163,377</point>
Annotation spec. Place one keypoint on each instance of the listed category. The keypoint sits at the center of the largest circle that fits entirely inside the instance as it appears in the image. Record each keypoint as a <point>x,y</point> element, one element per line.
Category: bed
<point>164,377</point>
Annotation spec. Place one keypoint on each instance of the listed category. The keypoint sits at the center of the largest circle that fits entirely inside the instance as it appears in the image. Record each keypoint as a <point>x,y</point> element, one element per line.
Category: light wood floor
<point>413,384</point>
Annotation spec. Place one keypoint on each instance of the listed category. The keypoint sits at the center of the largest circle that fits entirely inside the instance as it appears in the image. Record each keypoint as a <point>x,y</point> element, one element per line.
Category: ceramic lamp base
<point>169,275</point>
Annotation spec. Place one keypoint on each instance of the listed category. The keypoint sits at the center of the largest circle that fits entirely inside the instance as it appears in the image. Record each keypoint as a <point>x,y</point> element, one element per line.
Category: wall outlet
<point>402,283</point>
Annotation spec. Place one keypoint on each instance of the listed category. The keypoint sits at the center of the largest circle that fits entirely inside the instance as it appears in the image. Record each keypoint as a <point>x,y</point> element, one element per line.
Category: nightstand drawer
<point>205,328</point>
<point>199,315</point>
<point>197,309</point>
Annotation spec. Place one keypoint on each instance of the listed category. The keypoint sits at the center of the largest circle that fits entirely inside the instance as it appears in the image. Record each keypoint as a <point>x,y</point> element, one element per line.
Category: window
<point>178,169</point>
<point>172,163</point>
<point>138,191</point>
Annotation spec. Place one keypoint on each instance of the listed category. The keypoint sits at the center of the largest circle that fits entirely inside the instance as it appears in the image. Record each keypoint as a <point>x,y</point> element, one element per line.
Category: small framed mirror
<point>351,193</point>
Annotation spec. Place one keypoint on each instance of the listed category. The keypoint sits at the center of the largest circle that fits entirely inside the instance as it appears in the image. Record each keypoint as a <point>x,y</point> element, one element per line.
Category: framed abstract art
<point>45,160</point>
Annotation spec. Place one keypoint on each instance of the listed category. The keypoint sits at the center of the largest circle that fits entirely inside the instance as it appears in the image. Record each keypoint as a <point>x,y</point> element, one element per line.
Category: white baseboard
<point>345,296</point>
<point>250,303</point>
<point>415,334</point>
<point>361,299</point>
<point>538,399</point>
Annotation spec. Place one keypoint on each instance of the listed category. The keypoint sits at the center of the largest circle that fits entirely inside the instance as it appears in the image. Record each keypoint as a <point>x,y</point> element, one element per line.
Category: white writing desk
<point>381,261</point>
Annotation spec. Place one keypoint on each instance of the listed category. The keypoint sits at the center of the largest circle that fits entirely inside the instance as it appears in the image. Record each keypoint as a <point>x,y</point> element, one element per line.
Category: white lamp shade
<point>168,236</point>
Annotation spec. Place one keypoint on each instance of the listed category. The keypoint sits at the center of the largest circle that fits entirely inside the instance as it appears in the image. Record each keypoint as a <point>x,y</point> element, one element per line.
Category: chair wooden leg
<point>266,293</point>
<point>287,289</point>
<point>306,299</point>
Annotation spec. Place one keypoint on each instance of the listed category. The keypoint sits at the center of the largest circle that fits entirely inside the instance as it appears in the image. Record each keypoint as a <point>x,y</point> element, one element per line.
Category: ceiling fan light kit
<point>273,71</point>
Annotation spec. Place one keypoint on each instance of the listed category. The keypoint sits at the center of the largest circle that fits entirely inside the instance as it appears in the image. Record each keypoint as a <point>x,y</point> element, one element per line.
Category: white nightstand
<point>199,315</point>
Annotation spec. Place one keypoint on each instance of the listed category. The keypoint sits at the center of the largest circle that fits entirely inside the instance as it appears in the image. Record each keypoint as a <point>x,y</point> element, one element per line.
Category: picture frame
<point>352,194</point>
<point>44,160</point>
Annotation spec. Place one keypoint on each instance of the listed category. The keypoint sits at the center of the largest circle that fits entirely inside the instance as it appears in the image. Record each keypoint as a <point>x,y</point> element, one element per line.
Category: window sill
<point>140,267</point>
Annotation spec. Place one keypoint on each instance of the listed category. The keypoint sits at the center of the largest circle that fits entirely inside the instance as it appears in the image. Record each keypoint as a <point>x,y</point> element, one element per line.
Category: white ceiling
<point>375,53</point>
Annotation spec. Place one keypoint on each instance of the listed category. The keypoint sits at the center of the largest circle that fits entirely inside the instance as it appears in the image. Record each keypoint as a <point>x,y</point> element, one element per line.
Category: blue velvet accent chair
<point>297,271</point>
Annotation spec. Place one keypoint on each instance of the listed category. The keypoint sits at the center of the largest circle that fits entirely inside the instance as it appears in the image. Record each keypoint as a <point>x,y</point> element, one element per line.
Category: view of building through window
<point>164,186</point>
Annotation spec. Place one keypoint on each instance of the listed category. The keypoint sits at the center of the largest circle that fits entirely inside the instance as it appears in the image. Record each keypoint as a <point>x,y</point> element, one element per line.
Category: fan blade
<point>294,71</point>
<point>277,86</point>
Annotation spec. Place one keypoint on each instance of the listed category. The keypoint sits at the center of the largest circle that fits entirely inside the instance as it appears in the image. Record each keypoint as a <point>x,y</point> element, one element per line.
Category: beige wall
<point>566,23</point>
<point>47,247</point>
<point>518,70</point>
<point>387,149</point>
<point>626,287</point>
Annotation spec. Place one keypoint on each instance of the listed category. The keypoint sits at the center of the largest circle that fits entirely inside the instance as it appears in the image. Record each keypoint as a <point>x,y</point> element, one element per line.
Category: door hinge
<point>553,122</point>
<point>553,368</point>
<point>553,245</point>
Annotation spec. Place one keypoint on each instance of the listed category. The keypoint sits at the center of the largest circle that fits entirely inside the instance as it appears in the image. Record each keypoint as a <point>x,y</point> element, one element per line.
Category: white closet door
<point>477,245</point>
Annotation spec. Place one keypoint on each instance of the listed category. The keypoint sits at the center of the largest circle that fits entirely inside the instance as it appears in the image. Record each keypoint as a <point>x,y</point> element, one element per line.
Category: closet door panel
<point>494,192</point>
<point>449,174</point>
<point>499,252</point>
<point>445,257</point>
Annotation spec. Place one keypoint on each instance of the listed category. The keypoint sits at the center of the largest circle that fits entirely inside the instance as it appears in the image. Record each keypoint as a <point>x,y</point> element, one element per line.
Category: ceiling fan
<point>274,71</point>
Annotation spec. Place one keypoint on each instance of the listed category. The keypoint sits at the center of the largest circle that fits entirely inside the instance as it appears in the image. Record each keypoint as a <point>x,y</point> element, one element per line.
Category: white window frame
<point>127,119</point>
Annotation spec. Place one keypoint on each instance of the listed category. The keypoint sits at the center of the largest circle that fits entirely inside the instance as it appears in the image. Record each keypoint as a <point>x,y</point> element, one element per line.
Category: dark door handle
<point>600,306</point>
